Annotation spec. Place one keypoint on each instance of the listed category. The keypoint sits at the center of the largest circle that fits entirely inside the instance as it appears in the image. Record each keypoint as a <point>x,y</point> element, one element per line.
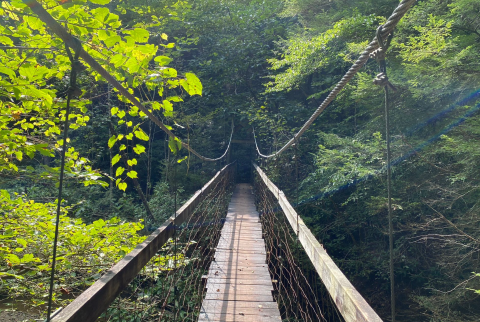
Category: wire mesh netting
<point>170,287</point>
<point>299,291</point>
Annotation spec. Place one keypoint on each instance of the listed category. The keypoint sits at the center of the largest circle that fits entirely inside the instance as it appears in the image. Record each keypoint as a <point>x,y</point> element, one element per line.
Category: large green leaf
<point>192,84</point>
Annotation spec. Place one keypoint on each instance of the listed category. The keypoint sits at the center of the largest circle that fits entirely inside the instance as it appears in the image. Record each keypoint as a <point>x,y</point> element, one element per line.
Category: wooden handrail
<point>89,305</point>
<point>350,303</point>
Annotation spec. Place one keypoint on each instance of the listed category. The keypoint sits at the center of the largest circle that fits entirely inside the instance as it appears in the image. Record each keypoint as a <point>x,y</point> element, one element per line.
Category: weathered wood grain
<point>239,285</point>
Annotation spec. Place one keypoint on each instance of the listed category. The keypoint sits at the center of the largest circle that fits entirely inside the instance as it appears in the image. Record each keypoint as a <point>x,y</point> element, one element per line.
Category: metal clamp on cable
<point>379,55</point>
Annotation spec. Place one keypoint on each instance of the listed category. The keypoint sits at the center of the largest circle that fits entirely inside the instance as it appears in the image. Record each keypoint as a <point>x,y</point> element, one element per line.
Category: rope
<point>72,92</point>
<point>73,42</point>
<point>382,80</point>
<point>388,27</point>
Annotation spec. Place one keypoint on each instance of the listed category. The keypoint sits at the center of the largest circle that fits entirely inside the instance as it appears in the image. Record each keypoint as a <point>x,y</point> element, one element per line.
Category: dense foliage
<point>433,61</point>
<point>200,64</point>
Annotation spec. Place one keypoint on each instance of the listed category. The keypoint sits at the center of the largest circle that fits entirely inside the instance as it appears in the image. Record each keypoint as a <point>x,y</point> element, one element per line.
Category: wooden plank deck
<point>239,286</point>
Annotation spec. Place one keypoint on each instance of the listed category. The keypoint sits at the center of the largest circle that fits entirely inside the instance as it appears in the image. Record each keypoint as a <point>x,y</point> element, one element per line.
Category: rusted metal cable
<point>73,42</point>
<point>382,80</point>
<point>388,27</point>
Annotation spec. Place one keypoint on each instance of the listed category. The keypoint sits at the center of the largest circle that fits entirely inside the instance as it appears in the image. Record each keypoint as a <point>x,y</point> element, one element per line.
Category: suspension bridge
<point>236,259</point>
<point>233,251</point>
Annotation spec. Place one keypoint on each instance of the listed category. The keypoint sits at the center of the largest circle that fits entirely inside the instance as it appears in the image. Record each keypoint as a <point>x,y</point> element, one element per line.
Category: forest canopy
<point>199,66</point>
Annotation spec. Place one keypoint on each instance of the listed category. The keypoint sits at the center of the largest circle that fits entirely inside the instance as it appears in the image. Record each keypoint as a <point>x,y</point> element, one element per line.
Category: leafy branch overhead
<point>34,81</point>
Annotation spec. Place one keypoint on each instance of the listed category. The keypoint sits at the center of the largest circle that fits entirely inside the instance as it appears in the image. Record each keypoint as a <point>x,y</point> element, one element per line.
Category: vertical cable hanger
<point>72,91</point>
<point>382,80</point>
<point>296,181</point>
<point>175,233</point>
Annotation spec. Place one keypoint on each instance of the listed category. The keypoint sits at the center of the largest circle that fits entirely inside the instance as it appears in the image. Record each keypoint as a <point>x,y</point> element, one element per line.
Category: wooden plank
<point>238,318</point>
<point>238,281</point>
<point>89,305</point>
<point>246,274</point>
<point>242,275</point>
<point>230,225</point>
<point>231,256</point>
<point>231,292</point>
<point>245,288</point>
<point>239,297</point>
<point>350,303</point>
<point>237,242</point>
<point>239,305</point>
<point>253,312</point>
<point>241,252</point>
<point>241,237</point>
<point>239,274</point>
<point>244,262</point>
<point>242,246</point>
<point>227,235</point>
<point>242,315</point>
<point>237,265</point>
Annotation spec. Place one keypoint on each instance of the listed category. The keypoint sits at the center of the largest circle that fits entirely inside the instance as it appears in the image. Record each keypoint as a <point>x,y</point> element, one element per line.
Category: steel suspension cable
<point>73,42</point>
<point>71,92</point>
<point>388,27</point>
<point>382,81</point>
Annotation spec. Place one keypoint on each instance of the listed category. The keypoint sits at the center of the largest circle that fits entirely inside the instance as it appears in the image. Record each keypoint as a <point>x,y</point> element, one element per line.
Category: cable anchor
<point>380,55</point>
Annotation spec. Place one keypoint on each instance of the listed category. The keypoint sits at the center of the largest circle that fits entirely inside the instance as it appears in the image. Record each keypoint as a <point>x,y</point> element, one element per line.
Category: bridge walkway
<point>239,286</point>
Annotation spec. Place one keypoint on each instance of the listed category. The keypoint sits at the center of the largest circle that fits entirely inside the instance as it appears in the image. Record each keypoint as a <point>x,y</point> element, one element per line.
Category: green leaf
<point>118,60</point>
<point>33,22</point>
<point>27,258</point>
<point>139,149</point>
<point>22,242</point>
<point>122,186</point>
<point>42,148</point>
<point>110,41</point>
<point>114,110</point>
<point>169,73</point>
<point>138,34</point>
<point>192,84</point>
<point>12,258</point>
<point>141,135</point>
<point>6,41</point>
<point>111,141</point>
<point>101,13</point>
<point>175,145</point>
<point>115,159</point>
<point>175,99</point>
<point>133,65</point>
<point>3,274</point>
<point>122,147</point>
<point>168,108</point>
<point>132,162</point>
<point>163,60</point>
<point>119,171</point>
<point>7,71</point>
<point>101,2</point>
<point>132,174</point>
